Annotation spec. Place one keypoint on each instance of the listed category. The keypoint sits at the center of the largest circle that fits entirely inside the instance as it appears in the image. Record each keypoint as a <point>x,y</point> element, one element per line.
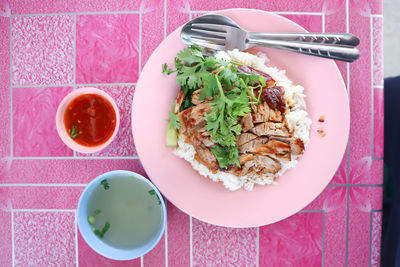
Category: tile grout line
<point>370,237</point>
<point>165,19</point>
<point>323,239</point>
<point>74,85</point>
<point>140,41</point>
<point>372,87</point>
<point>323,23</point>
<point>76,13</point>
<point>76,239</point>
<point>11,97</point>
<point>141,261</point>
<point>44,210</point>
<point>191,241</point>
<point>258,247</point>
<point>348,149</point>
<point>12,238</point>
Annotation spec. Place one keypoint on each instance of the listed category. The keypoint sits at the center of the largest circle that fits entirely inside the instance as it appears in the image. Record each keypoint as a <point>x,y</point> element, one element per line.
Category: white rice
<point>296,116</point>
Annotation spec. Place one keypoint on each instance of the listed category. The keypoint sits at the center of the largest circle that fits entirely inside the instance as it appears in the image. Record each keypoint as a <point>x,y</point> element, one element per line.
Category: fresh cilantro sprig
<point>230,91</point>
<point>105,184</point>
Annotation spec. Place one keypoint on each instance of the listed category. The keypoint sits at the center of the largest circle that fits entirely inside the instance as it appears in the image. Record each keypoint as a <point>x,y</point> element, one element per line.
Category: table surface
<point>48,48</point>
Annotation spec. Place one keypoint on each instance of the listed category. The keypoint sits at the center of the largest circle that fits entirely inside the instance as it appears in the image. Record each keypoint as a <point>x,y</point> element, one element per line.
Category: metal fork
<point>228,37</point>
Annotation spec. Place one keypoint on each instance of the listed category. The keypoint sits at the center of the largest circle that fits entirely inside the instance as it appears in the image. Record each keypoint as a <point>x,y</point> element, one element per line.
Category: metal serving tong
<point>218,32</point>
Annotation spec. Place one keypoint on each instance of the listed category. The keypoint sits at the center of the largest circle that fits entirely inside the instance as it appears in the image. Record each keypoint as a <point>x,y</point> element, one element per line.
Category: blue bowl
<point>94,241</point>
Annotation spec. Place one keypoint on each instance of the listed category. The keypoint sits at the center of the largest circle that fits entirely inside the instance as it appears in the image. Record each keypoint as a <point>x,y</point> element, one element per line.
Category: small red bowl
<point>62,131</point>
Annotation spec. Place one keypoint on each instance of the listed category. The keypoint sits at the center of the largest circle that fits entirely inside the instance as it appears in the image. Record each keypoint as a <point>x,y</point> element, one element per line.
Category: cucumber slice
<point>171,135</point>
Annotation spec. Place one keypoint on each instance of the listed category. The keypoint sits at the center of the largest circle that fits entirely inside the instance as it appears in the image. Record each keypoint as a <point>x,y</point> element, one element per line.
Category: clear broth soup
<point>131,208</point>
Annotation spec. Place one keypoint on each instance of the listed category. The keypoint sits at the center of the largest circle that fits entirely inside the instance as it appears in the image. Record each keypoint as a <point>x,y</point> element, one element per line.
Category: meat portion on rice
<point>266,139</point>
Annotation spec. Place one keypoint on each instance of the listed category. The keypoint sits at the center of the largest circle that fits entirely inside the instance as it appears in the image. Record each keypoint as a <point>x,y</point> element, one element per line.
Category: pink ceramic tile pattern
<point>89,258</point>
<point>62,6</point>
<point>177,14</point>
<point>376,238</point>
<point>377,50</point>
<point>152,26</point>
<point>5,229</point>
<point>5,84</point>
<point>69,171</point>
<point>312,23</point>
<point>363,200</point>
<point>378,122</point>
<point>221,246</point>
<point>122,145</point>
<point>178,237</point>
<point>341,227</point>
<point>156,257</point>
<point>42,50</point>
<point>296,241</point>
<point>279,5</point>
<point>34,130</point>
<point>107,48</point>
<point>43,197</point>
<point>44,238</point>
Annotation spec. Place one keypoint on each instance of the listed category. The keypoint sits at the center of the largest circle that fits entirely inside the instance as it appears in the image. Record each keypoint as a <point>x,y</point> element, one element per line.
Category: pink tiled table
<point>48,48</point>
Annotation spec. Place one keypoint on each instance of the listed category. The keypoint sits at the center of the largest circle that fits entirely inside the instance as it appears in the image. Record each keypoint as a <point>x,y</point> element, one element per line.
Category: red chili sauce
<point>90,120</point>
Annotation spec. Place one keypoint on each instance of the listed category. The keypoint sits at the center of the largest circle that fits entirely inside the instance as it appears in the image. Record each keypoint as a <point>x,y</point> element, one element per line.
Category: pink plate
<point>211,202</point>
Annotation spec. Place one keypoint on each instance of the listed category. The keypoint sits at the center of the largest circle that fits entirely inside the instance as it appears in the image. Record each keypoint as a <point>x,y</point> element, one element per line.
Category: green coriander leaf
<point>105,229</point>
<point>210,87</point>
<point>174,119</point>
<point>105,184</point>
<point>132,178</point>
<point>166,70</point>
<point>98,233</point>
<point>152,192</point>
<point>97,212</point>
<point>226,155</point>
<point>73,132</point>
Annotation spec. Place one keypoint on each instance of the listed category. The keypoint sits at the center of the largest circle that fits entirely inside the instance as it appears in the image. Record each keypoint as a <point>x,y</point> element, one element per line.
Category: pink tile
<point>44,197</point>
<point>5,229</point>
<point>71,171</point>
<point>340,176</point>
<point>221,246</point>
<point>34,129</point>
<point>360,84</point>
<point>89,258</point>
<point>42,50</point>
<point>123,142</point>
<point>44,238</point>
<point>362,201</point>
<point>366,171</point>
<point>177,14</point>
<point>333,200</point>
<point>378,122</point>
<point>153,22</point>
<point>376,238</point>
<point>377,44</point>
<point>279,5</point>
<point>5,86</point>
<point>296,241</point>
<point>312,23</point>
<point>107,48</point>
<point>156,257</point>
<point>61,6</point>
<point>366,7</point>
<point>178,237</point>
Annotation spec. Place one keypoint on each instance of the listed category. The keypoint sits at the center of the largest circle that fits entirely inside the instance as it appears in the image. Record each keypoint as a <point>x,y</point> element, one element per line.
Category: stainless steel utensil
<point>218,32</point>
